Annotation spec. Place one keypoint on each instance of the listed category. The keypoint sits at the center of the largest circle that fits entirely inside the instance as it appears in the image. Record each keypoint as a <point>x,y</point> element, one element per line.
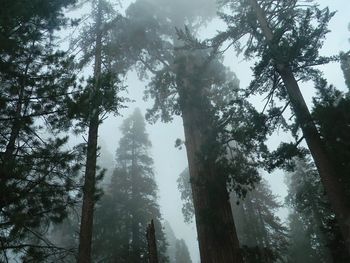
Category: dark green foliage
<point>130,202</point>
<point>314,233</point>
<point>262,235</point>
<point>300,249</point>
<point>102,93</point>
<point>345,66</point>
<point>283,156</point>
<point>331,113</point>
<point>193,82</point>
<point>66,234</point>
<point>299,30</point>
<point>184,186</point>
<point>213,90</point>
<point>37,170</point>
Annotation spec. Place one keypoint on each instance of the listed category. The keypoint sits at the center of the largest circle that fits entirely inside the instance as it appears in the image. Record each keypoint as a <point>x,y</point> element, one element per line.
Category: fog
<point>170,161</point>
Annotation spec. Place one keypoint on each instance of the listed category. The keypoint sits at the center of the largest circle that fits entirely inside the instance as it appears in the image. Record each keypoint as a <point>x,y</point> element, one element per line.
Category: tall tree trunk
<point>152,244</point>
<point>217,237</point>
<point>85,236</point>
<point>324,166</point>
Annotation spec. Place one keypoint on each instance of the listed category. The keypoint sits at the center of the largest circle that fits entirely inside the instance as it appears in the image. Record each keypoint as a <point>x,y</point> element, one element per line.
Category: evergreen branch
<point>31,115</point>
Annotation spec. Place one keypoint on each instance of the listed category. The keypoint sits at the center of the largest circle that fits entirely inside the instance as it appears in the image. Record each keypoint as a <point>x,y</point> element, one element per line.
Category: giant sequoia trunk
<point>325,168</point>
<point>217,237</point>
<point>87,214</point>
<point>218,242</point>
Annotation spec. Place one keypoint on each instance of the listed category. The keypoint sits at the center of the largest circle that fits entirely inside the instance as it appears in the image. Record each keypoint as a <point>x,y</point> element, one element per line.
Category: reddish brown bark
<point>324,166</point>
<point>87,214</point>
<point>217,237</point>
<point>329,178</point>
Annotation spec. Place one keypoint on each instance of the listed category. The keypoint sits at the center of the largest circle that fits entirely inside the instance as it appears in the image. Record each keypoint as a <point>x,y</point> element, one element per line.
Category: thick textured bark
<point>152,244</point>
<point>87,214</point>
<point>217,237</point>
<point>324,166</point>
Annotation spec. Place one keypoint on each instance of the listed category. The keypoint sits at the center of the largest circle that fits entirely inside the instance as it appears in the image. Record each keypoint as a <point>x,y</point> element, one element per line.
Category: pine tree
<point>193,84</point>
<point>262,235</point>
<point>345,66</point>
<point>312,210</point>
<point>99,98</point>
<point>287,37</point>
<point>131,201</point>
<point>37,170</point>
<point>85,234</point>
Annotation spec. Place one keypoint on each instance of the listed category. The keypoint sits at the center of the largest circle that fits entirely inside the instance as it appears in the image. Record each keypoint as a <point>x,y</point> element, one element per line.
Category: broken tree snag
<point>152,244</point>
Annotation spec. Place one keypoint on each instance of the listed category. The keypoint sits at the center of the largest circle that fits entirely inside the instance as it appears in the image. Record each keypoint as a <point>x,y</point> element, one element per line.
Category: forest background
<point>169,161</point>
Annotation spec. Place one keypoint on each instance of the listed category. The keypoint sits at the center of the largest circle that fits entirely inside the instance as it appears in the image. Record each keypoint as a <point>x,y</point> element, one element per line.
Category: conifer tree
<point>262,235</point>
<point>194,85</point>
<point>130,202</point>
<point>99,98</point>
<point>312,220</point>
<point>85,234</point>
<point>37,169</point>
<point>287,36</point>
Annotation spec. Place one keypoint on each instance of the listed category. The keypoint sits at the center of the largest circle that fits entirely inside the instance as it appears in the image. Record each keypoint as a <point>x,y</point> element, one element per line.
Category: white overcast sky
<point>169,162</point>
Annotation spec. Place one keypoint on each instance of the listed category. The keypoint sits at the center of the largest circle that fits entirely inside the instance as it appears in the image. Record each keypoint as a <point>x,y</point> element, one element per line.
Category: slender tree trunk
<point>217,237</point>
<point>152,244</point>
<point>324,166</point>
<point>85,237</point>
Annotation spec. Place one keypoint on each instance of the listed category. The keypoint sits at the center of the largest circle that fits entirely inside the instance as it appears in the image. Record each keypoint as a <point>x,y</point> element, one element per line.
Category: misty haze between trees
<point>64,68</point>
